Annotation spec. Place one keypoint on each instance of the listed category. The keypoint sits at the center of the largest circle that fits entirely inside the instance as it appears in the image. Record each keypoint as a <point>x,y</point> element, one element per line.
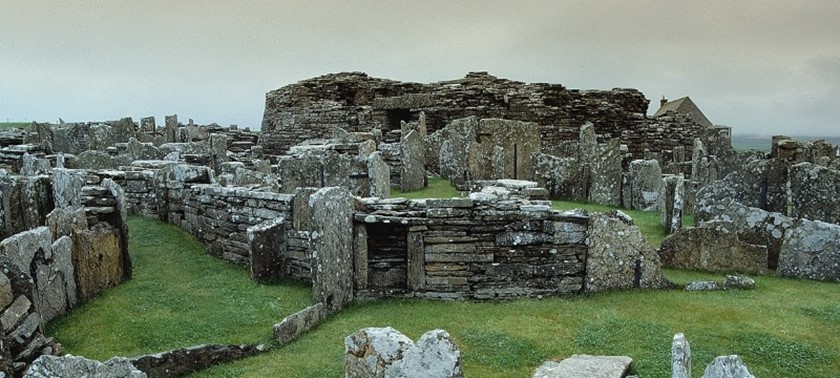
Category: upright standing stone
<point>331,247</point>
<point>643,185</point>
<point>27,167</point>
<point>455,152</point>
<point>147,124</point>
<point>588,143</point>
<point>619,257</point>
<point>267,244</point>
<point>413,169</point>
<point>680,357</point>
<point>172,128</point>
<point>671,202</point>
<point>564,178</point>
<point>606,174</point>
<point>498,161</point>
<point>98,260</point>
<point>379,174</point>
<point>218,151</point>
<point>703,165</point>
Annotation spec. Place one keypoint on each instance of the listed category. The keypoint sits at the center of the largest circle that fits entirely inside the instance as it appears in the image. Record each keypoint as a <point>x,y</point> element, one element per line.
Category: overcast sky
<point>761,67</point>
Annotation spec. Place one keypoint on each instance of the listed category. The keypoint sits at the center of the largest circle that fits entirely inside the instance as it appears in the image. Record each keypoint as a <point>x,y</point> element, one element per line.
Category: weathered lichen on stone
<point>385,352</point>
<point>619,257</point>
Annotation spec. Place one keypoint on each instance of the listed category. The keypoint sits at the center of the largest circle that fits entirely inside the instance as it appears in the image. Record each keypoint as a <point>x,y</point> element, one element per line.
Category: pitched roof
<point>685,106</point>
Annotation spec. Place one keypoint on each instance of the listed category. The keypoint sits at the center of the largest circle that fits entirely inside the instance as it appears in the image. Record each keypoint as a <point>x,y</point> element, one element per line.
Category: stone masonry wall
<point>356,102</point>
<point>460,248</point>
<point>65,256</point>
<point>484,248</point>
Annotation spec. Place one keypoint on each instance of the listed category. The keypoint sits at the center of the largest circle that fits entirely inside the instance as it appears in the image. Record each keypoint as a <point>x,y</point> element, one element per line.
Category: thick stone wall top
<point>357,102</point>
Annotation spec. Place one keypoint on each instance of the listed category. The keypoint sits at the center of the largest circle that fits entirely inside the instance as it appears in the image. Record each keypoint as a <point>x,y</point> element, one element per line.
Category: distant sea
<point>763,143</point>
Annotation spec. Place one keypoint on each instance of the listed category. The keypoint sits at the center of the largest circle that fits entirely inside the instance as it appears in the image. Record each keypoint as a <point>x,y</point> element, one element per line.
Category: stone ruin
<point>308,199</point>
<point>775,212</point>
<point>64,242</point>
<point>356,102</point>
<point>109,144</point>
<point>593,146</point>
<point>504,241</point>
<point>385,352</point>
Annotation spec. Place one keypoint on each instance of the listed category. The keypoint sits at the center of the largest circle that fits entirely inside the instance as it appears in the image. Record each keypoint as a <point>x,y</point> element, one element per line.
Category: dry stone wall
<point>487,248</point>
<point>356,102</point>
<point>73,246</point>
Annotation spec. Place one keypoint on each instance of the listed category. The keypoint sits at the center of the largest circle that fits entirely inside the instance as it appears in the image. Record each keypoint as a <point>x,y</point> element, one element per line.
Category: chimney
<point>663,101</point>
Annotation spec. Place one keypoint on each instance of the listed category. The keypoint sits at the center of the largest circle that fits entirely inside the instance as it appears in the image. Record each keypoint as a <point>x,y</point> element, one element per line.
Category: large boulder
<point>586,366</point>
<point>619,257</point>
<point>811,249</point>
<point>712,249</point>
<point>73,367</point>
<point>385,352</point>
<point>727,367</point>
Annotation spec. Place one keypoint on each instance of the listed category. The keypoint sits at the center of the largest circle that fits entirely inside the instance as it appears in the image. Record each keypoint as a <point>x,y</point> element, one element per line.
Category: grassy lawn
<point>180,296</point>
<point>784,328</point>
<point>437,188</point>
<point>12,125</point>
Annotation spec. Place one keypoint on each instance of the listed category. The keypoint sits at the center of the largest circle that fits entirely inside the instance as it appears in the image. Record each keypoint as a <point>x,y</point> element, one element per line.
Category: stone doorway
<point>394,117</point>
<point>387,256</point>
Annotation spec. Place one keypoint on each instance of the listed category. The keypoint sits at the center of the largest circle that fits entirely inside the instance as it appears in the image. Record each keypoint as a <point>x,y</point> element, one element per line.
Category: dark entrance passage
<point>387,256</point>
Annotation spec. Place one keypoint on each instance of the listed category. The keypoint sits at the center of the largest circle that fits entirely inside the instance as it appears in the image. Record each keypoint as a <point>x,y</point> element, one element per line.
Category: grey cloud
<point>753,65</point>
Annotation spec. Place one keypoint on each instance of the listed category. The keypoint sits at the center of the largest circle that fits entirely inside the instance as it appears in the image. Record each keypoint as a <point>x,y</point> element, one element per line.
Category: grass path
<point>179,296</point>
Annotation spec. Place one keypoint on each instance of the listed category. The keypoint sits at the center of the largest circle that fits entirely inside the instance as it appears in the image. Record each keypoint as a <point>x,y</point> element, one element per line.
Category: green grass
<point>179,296</point>
<point>784,328</point>
<point>12,125</point>
<point>437,188</point>
<point>647,221</point>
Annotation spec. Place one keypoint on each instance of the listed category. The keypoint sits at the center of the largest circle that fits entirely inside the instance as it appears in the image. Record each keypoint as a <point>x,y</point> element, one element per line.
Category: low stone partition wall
<point>459,248</point>
<point>483,249</point>
<point>181,362</point>
<point>220,217</point>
